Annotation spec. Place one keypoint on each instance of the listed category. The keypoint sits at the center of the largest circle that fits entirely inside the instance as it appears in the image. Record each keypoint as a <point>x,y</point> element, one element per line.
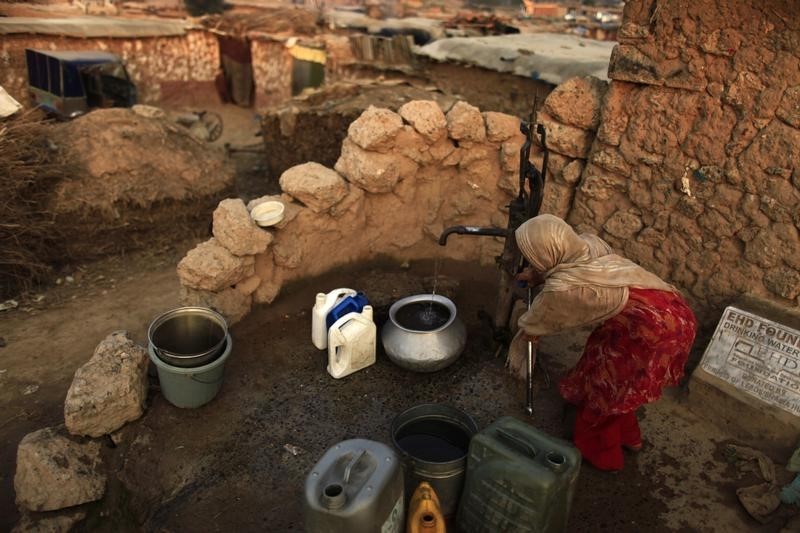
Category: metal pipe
<point>529,396</point>
<point>471,230</point>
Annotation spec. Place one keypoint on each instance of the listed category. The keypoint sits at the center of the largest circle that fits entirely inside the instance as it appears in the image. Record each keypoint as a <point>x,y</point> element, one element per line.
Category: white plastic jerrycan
<point>351,343</point>
<point>322,306</point>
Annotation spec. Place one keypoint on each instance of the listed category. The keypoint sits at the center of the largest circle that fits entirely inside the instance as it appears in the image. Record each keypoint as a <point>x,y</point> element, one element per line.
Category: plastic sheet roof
<point>550,57</point>
<point>93,27</point>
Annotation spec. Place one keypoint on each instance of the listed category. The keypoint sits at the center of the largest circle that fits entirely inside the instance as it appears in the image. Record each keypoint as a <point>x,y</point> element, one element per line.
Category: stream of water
<point>437,262</point>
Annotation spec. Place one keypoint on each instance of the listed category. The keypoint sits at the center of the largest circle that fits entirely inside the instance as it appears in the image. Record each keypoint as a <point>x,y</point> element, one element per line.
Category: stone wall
<point>190,60</point>
<point>400,180</point>
<point>694,171</point>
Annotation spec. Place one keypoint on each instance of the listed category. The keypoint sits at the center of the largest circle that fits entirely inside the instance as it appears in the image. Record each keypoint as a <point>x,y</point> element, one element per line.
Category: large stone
<point>765,249</point>
<point>373,171</point>
<point>566,140</point>
<point>465,123</point>
<point>55,471</point>
<point>789,109</point>
<point>375,128</point>
<point>609,158</point>
<point>211,267</point>
<point>616,106</point>
<point>235,230</point>
<point>317,186</point>
<point>109,390</point>
<point>571,173</point>
<point>577,102</point>
<point>411,144</point>
<point>501,127</point>
<point>426,117</point>
<point>783,281</point>
<point>53,522</point>
<point>623,224</point>
<point>233,303</point>
<point>509,155</point>
<point>627,63</point>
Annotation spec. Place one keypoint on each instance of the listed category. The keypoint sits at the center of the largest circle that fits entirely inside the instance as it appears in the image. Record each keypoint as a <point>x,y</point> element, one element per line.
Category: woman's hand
<point>530,276</point>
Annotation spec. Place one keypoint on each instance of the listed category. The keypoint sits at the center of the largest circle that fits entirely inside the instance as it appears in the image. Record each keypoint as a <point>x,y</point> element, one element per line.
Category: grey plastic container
<point>356,487</point>
<point>445,476</point>
<point>191,387</point>
<point>518,479</point>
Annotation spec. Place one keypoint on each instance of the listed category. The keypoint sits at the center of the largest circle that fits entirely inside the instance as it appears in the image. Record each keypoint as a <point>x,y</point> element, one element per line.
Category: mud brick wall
<point>272,71</point>
<point>153,63</point>
<point>695,168</point>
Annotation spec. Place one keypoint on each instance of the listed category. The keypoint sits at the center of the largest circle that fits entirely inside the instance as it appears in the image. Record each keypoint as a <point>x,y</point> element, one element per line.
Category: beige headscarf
<point>585,282</point>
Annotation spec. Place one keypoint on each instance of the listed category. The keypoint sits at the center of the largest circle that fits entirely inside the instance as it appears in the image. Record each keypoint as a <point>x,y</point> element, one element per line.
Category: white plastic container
<point>351,343</point>
<point>322,306</point>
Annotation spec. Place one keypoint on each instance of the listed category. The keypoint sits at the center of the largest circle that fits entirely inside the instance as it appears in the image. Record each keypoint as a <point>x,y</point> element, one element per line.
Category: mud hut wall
<point>339,56</point>
<point>157,65</point>
<point>694,171</point>
<point>272,72</point>
<point>487,89</point>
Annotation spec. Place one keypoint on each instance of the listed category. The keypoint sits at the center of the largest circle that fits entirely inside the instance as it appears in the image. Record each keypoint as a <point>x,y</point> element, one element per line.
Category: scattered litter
<point>3,371</point>
<point>8,304</point>
<point>69,279</point>
<point>30,389</point>
<point>294,450</point>
<point>38,298</point>
<point>59,281</point>
<point>762,499</point>
<point>405,265</point>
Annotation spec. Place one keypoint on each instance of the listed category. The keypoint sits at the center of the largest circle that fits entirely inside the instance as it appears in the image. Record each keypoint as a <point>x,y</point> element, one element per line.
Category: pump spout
<point>471,230</point>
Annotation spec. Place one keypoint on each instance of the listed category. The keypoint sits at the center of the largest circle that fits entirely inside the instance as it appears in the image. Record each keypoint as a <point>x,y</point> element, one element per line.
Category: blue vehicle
<point>68,84</point>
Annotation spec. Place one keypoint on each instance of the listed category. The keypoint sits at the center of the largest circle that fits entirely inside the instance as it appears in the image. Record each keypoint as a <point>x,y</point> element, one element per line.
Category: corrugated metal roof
<point>93,27</point>
<point>80,55</point>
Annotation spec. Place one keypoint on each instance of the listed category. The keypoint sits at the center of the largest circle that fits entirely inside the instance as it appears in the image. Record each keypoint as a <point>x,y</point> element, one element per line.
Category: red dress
<point>627,361</point>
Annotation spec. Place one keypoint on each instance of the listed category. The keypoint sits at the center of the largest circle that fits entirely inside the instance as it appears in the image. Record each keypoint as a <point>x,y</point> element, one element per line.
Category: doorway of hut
<point>234,81</point>
<point>308,67</point>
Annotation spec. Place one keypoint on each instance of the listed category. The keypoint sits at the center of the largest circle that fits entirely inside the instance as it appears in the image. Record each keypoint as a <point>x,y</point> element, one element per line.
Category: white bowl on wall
<point>267,213</point>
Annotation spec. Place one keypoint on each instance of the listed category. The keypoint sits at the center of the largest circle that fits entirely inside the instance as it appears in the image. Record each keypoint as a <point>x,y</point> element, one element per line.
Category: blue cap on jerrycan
<point>350,304</point>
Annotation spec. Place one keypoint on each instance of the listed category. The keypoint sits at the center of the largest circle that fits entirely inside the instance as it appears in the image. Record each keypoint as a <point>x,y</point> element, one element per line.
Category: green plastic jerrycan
<point>518,479</point>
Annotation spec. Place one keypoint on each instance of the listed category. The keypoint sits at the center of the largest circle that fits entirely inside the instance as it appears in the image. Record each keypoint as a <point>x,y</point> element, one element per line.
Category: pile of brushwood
<point>30,168</point>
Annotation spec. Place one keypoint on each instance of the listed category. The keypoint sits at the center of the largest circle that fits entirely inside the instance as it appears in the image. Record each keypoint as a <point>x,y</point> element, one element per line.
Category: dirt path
<point>47,341</point>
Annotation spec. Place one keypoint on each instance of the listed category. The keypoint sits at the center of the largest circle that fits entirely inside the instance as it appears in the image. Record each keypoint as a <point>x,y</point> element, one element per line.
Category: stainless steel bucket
<point>188,337</point>
<point>433,440</point>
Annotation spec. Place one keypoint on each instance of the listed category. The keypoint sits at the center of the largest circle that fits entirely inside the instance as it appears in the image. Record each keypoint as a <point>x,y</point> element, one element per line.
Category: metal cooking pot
<point>423,347</point>
<point>188,337</point>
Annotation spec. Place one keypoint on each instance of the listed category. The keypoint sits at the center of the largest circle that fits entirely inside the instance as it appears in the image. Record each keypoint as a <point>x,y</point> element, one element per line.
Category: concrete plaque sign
<point>757,356</point>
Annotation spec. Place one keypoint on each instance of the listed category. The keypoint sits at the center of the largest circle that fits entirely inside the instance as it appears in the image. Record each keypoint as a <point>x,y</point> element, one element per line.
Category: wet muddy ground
<point>239,463</point>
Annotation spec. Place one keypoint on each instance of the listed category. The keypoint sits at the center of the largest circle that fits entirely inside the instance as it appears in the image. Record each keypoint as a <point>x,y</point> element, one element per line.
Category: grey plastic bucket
<point>191,387</point>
